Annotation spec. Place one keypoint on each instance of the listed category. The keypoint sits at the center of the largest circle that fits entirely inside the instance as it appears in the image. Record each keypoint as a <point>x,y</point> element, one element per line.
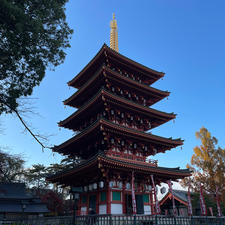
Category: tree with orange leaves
<point>208,165</point>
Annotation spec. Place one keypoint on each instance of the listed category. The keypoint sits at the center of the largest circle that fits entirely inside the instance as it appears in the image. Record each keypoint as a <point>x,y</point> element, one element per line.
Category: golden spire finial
<point>114,34</point>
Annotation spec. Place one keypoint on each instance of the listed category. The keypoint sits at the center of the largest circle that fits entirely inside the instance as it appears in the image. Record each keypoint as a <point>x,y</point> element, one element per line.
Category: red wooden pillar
<point>124,197</point>
<point>108,198</point>
<point>97,201</point>
<point>79,206</point>
<point>152,203</point>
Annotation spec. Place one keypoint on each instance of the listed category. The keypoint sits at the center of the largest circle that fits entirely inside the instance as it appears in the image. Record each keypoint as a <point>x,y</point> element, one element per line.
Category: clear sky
<point>184,39</point>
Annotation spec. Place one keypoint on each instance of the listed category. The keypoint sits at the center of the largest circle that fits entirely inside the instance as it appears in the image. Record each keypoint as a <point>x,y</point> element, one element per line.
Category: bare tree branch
<point>36,137</point>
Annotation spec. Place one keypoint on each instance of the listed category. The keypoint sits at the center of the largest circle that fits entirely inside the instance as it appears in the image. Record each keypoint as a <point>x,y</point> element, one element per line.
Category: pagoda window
<point>112,141</point>
<point>135,145</point>
<point>116,196</point>
<point>146,198</point>
<point>122,143</point>
<point>84,199</point>
<point>113,89</point>
<point>103,196</point>
<point>112,112</point>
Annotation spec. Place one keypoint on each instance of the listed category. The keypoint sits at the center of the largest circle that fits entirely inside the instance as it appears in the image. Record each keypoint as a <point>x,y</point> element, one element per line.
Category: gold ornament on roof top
<point>114,34</point>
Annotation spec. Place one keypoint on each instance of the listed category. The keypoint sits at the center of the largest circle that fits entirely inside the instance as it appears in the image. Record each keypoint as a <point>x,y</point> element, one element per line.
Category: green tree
<point>34,34</point>
<point>208,165</point>
<point>11,167</point>
<point>36,176</point>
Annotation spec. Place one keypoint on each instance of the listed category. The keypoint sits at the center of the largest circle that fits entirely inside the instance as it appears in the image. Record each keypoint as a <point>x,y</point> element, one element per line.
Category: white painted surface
<point>102,209</point>
<point>83,211</point>
<point>116,209</point>
<point>147,210</point>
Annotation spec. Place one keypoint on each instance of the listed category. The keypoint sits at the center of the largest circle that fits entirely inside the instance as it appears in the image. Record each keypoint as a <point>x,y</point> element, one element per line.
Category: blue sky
<point>184,39</point>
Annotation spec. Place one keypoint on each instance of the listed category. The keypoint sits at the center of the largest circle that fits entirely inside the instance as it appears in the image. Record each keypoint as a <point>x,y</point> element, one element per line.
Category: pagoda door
<point>92,202</point>
<point>128,204</point>
<point>139,204</point>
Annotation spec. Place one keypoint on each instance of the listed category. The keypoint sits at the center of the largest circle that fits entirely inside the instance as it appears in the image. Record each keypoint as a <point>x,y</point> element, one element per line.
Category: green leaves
<point>34,34</point>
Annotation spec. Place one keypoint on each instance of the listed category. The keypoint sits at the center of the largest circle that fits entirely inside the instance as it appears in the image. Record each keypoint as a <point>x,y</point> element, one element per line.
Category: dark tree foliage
<point>11,167</point>
<point>54,202</point>
<point>33,34</point>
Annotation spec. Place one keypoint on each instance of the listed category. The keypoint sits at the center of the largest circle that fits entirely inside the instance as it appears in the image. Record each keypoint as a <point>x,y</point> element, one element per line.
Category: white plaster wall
<point>116,209</point>
<point>83,210</point>
<point>147,210</point>
<point>102,209</point>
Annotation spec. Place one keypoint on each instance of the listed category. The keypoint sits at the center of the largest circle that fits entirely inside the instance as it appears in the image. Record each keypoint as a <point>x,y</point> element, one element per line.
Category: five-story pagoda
<point>114,100</point>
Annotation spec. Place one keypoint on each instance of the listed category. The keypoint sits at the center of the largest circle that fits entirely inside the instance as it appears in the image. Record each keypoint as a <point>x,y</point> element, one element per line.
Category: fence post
<point>174,220</point>
<point>110,219</point>
<point>191,220</point>
<point>156,221</point>
<point>134,219</point>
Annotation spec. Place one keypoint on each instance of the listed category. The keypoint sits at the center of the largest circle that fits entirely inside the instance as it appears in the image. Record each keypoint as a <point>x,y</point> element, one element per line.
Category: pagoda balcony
<point>133,158</point>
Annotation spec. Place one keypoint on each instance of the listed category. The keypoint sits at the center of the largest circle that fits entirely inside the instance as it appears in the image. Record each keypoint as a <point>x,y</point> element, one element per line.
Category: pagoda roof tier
<point>153,95</point>
<point>107,55</point>
<point>103,126</point>
<point>100,166</point>
<point>103,96</point>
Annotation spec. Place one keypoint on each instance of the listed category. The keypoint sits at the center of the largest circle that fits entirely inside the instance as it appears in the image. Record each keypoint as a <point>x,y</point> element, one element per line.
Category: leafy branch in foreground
<point>33,37</point>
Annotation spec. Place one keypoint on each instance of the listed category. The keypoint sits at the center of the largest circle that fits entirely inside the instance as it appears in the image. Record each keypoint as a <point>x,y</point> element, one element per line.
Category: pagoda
<point>113,140</point>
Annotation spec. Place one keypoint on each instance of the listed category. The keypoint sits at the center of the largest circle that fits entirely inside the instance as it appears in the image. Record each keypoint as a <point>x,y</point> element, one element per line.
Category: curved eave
<point>108,73</point>
<point>145,167</point>
<point>146,70</point>
<point>65,123</point>
<point>110,127</point>
<point>122,102</point>
<point>169,142</point>
<point>153,74</point>
<point>74,81</point>
<point>67,144</point>
<point>71,99</point>
<point>170,173</point>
